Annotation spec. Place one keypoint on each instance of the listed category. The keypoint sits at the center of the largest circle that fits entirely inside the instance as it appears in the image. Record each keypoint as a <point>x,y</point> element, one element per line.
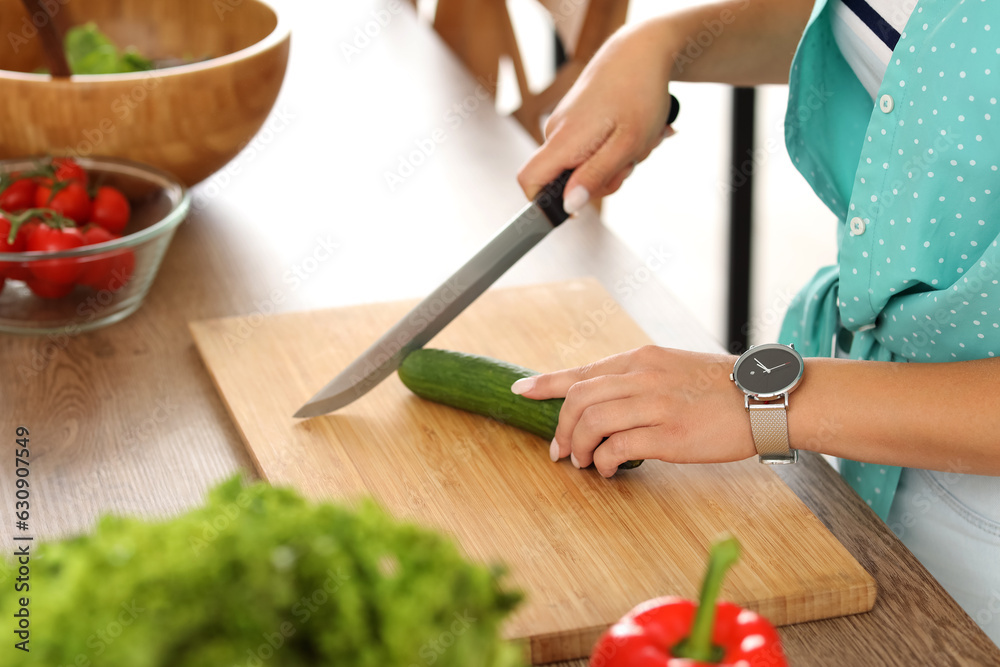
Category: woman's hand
<point>612,118</point>
<point>615,113</point>
<point>650,403</point>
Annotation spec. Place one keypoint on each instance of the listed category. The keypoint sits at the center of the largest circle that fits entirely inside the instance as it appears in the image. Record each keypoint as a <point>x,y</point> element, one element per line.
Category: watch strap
<point>769,426</point>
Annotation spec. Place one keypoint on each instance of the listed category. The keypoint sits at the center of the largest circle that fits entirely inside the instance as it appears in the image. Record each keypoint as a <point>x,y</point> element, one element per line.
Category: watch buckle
<point>780,459</point>
<point>764,404</point>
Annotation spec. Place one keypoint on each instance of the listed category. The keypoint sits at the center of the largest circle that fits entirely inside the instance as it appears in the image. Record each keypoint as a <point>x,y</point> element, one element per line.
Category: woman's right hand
<point>612,118</point>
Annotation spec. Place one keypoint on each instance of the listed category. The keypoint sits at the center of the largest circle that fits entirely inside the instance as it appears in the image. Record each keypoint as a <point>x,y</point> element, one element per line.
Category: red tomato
<point>68,170</point>
<point>20,271</point>
<point>97,269</point>
<point>6,246</point>
<point>48,290</point>
<point>121,272</point>
<point>110,274</point>
<point>94,234</point>
<point>110,209</point>
<point>18,196</point>
<point>24,231</point>
<point>67,198</point>
<point>51,239</point>
<point>107,271</point>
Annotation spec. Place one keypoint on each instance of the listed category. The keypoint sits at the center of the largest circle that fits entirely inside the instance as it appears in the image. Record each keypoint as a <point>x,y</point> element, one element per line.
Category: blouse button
<point>885,103</point>
<point>857,226</point>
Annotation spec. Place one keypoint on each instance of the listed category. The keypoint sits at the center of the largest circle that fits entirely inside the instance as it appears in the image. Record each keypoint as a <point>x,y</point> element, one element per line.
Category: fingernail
<point>575,199</point>
<point>523,385</point>
<point>554,450</point>
<point>572,459</point>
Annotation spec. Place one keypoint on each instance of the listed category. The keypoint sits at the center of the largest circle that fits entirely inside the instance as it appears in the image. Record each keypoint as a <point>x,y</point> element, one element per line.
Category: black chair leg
<point>561,56</point>
<point>740,219</point>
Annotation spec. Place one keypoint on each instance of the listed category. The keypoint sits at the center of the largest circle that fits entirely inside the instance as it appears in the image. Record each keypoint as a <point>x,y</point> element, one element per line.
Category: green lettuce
<point>89,51</point>
<point>259,576</point>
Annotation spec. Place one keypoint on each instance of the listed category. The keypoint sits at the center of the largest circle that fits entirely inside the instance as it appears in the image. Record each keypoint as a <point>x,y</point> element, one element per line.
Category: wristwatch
<point>767,374</point>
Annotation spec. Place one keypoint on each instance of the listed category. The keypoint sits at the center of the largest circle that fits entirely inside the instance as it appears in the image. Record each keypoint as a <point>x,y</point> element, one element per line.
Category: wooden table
<point>126,419</point>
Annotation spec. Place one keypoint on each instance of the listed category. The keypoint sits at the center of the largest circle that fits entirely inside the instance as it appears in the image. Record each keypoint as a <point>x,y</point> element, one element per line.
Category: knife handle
<point>550,199</point>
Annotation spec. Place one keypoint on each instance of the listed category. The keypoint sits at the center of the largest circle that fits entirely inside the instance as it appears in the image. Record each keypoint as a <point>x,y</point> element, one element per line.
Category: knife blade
<point>531,224</point>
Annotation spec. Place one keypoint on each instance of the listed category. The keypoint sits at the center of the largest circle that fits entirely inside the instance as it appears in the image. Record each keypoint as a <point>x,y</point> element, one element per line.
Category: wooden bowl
<point>188,120</point>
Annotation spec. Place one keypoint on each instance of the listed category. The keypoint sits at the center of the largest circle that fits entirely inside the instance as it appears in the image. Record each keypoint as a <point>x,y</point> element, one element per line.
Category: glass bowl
<point>159,203</point>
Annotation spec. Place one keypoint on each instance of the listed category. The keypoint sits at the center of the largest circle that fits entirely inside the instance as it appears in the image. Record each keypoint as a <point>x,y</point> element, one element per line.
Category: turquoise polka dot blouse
<point>914,181</point>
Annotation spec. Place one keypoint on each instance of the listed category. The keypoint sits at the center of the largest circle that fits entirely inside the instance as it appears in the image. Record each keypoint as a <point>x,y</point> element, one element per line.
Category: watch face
<point>768,370</point>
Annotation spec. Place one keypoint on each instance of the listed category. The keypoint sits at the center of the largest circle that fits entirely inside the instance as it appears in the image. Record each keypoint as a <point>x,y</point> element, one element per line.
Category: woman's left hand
<point>650,403</point>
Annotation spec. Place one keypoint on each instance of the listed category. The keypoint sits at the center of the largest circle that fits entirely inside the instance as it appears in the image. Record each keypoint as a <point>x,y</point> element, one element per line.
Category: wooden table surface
<point>126,420</point>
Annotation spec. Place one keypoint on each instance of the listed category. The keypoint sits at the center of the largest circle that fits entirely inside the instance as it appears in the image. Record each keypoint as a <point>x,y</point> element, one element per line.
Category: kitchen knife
<point>428,317</point>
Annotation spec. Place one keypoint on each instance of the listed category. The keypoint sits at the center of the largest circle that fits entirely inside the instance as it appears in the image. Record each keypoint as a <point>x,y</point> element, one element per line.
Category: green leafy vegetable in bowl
<point>90,51</point>
<point>261,576</point>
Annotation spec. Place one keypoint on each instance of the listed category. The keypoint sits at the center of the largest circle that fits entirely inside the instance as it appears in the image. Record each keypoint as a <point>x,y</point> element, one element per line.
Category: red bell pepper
<point>674,632</point>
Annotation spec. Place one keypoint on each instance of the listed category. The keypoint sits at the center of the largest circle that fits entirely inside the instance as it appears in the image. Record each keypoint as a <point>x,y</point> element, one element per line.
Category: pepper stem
<point>698,645</point>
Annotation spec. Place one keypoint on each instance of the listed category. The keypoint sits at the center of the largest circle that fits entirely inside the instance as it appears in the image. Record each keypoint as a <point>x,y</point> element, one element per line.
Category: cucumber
<point>481,385</point>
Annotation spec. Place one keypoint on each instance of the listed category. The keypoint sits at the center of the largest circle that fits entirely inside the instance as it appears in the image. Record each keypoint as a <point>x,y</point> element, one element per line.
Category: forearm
<point>943,416</point>
<point>743,42</point>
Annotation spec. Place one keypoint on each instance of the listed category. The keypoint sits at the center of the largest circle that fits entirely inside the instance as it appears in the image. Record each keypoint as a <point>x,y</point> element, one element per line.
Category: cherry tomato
<point>18,196</point>
<point>24,231</point>
<point>68,170</point>
<point>20,271</point>
<point>110,209</point>
<point>114,273</point>
<point>52,239</point>
<point>121,272</point>
<point>67,198</point>
<point>108,271</point>
<point>6,246</point>
<point>94,234</point>
<point>48,290</point>
<point>97,269</point>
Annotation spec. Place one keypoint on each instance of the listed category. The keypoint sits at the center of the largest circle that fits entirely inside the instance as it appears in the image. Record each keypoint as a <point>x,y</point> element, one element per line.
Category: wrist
<point>667,39</point>
<point>686,42</point>
<point>813,422</point>
<point>650,44</point>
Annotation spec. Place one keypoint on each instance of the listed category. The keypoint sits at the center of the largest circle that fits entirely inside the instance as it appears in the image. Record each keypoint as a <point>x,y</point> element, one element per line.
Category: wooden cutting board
<point>584,549</point>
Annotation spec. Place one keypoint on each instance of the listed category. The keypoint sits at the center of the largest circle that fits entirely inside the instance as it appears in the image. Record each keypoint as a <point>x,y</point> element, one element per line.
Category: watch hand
<point>778,366</point>
<point>762,365</point>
